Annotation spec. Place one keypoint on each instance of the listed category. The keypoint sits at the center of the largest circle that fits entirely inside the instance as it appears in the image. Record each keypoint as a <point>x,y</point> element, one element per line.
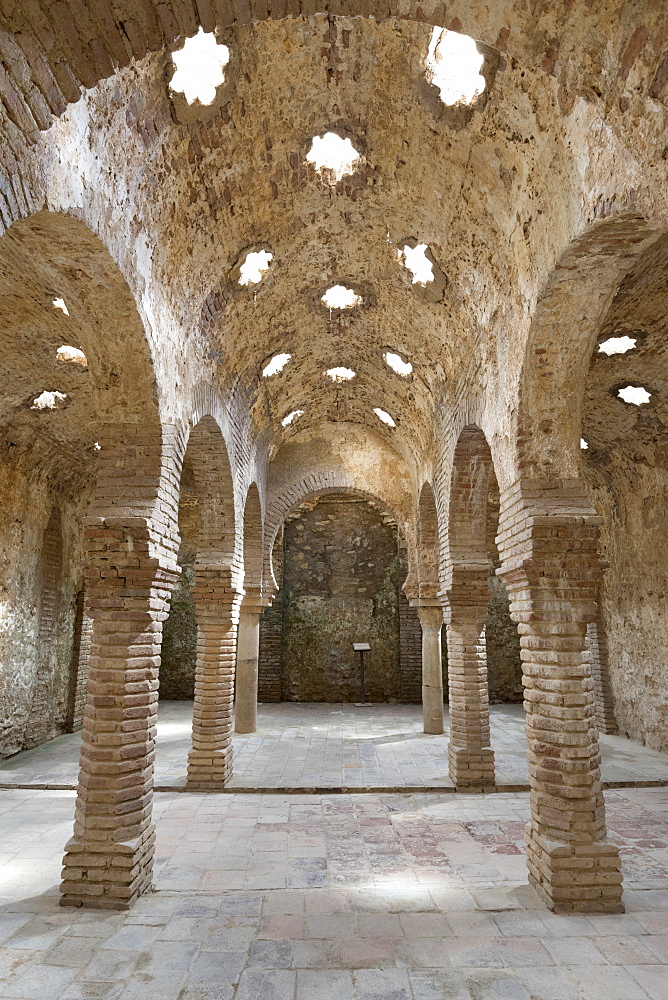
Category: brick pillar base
<point>575,878</point>
<point>217,612</point>
<point>107,876</point>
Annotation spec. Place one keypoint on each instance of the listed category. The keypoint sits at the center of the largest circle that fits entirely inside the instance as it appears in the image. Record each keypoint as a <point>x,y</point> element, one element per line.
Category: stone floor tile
<point>425,925</point>
<point>106,966</point>
<point>71,952</point>
<point>93,991</point>
<point>471,951</point>
<point>610,982</point>
<point>421,953</point>
<point>381,984</point>
<point>133,937</point>
<point>280,928</point>
<point>379,925</point>
<point>654,921</point>
<point>208,991</point>
<point>271,955</point>
<point>628,950</point>
<point>658,943</point>
<point>652,978</point>
<point>216,967</point>
<point>441,984</point>
<point>41,982</point>
<point>491,984</point>
<point>568,951</point>
<point>329,925</point>
<point>365,953</point>
<point>518,952</point>
<point>565,924</point>
<point>615,923</point>
<point>324,984</point>
<point>519,923</point>
<point>280,903</point>
<point>277,984</point>
<point>548,983</point>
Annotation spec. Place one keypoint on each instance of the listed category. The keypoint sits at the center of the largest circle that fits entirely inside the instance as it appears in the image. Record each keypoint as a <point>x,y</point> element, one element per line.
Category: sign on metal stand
<point>362,648</point>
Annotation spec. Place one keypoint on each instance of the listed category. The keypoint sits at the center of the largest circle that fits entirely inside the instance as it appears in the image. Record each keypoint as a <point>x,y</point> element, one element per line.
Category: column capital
<point>253,601</point>
<point>430,615</point>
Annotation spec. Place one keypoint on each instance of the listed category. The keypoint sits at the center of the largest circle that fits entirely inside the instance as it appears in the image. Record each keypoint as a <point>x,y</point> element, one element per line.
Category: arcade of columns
<point>543,209</point>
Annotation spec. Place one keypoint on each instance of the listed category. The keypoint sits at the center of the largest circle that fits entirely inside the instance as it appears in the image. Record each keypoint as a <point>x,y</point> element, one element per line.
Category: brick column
<point>131,540</point>
<point>431,621</point>
<point>217,614</point>
<point>248,652</point>
<point>470,753</point>
<point>108,861</point>
<point>548,540</point>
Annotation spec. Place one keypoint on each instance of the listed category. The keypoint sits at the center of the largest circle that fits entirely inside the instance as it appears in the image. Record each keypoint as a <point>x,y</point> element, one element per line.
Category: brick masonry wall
<point>504,667</point>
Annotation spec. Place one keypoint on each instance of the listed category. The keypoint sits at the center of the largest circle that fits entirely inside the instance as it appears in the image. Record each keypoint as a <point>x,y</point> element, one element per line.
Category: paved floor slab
<point>348,896</point>
<point>333,747</point>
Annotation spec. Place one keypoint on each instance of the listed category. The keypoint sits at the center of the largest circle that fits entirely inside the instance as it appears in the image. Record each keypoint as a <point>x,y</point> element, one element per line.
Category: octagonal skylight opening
<point>276,365</point>
<point>584,444</point>
<point>254,267</point>
<point>617,345</point>
<point>291,417</point>
<point>635,394</point>
<point>49,400</point>
<point>453,66</point>
<point>397,364</point>
<point>384,416</point>
<point>71,355</point>
<point>340,374</point>
<point>59,303</point>
<point>340,297</point>
<point>332,156</point>
<point>416,261</point>
<point>200,67</point>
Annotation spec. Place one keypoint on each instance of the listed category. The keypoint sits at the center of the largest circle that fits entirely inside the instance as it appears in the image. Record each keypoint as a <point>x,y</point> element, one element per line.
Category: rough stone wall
<point>41,574</point>
<point>341,585</point>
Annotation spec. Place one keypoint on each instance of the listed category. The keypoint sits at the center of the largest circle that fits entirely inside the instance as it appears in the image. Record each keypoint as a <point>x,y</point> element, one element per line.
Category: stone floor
<point>334,747</point>
<point>331,897</point>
